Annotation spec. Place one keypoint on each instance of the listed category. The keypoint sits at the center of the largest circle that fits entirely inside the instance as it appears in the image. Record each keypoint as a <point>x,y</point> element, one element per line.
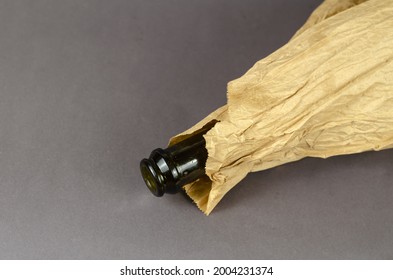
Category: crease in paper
<point>327,92</point>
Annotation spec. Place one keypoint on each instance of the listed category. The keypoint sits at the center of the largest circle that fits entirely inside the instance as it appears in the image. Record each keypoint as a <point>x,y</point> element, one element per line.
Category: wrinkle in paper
<point>327,92</point>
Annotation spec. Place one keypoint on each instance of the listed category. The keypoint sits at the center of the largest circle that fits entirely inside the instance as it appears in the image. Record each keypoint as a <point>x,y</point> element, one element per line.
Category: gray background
<point>88,88</point>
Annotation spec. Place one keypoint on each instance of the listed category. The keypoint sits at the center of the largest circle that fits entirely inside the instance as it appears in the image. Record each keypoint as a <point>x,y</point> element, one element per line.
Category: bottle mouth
<point>151,178</point>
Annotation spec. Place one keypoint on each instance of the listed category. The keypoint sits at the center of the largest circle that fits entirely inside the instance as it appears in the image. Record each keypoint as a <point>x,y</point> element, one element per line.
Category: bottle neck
<point>167,170</point>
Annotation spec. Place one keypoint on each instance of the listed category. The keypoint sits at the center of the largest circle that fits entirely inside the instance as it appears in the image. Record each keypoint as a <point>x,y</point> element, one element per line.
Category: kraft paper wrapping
<point>328,91</point>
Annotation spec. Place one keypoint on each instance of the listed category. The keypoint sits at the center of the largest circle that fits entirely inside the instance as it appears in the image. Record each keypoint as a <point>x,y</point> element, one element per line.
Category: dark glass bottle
<point>167,170</point>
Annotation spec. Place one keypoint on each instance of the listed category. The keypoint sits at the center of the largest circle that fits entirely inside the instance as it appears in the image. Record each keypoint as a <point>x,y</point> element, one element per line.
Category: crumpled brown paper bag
<point>328,91</point>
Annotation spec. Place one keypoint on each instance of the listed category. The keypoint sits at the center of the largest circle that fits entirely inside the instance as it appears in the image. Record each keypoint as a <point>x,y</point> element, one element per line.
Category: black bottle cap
<point>159,173</point>
<point>168,170</point>
<point>151,177</point>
